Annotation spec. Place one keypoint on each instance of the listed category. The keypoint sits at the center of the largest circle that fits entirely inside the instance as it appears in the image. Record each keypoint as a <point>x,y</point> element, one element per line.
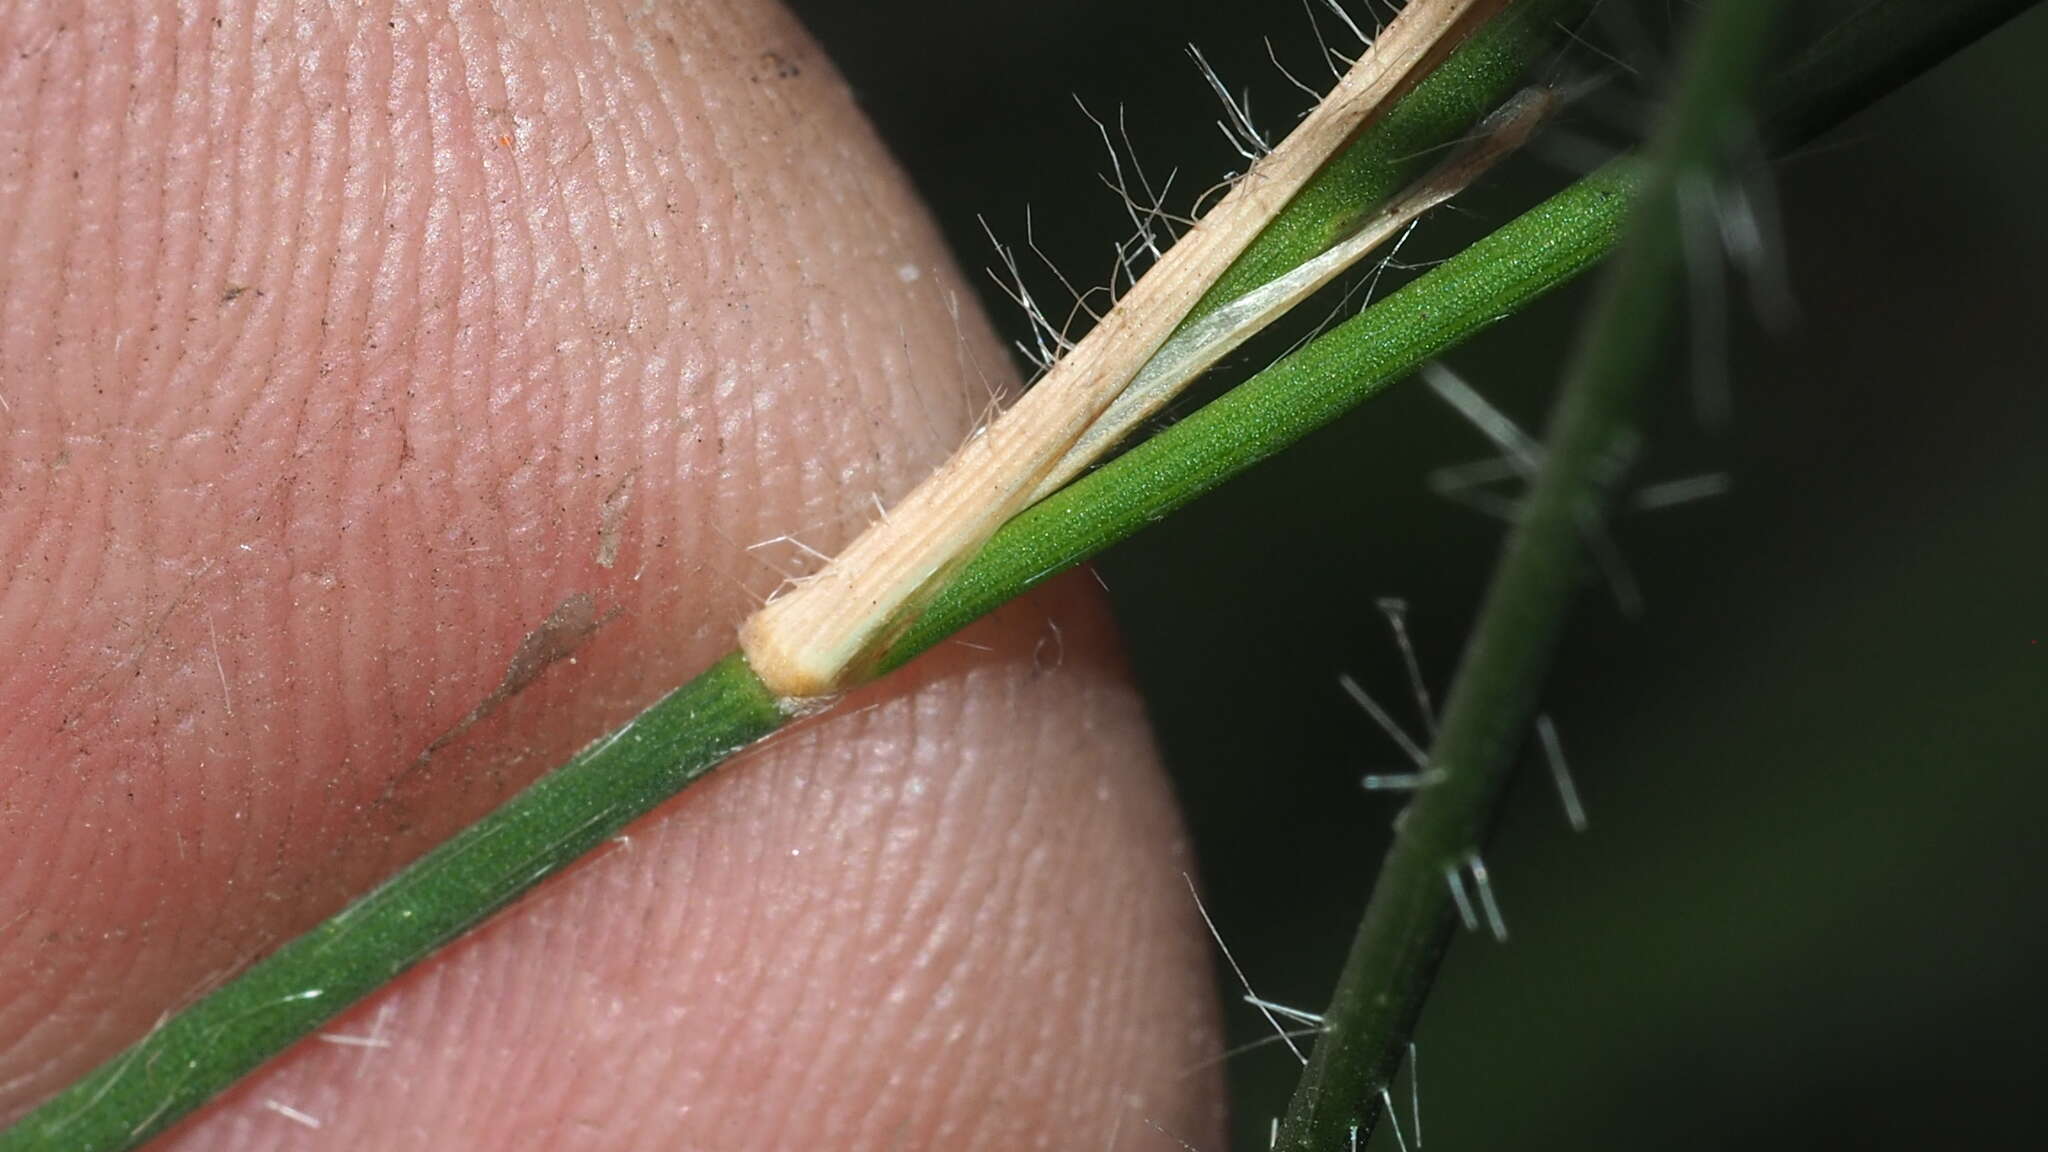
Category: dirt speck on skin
<point>776,66</point>
<point>611,521</point>
<point>573,622</point>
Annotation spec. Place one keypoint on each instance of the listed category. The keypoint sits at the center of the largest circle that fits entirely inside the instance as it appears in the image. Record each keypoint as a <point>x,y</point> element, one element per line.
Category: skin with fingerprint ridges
<point>391,401</point>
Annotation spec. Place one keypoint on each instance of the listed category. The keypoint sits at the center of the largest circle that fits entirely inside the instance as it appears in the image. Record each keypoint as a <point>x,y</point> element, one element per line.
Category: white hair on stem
<point>1752,230</point>
<point>1332,60</point>
<point>1357,33</point>
<point>1250,1046</point>
<point>1684,490</point>
<point>1393,1120</point>
<point>1395,610</point>
<point>1521,458</point>
<point>1158,199</point>
<point>1454,877</point>
<point>1236,125</point>
<point>376,1038</point>
<point>1048,343</point>
<point>1385,721</point>
<point>1298,1015</point>
<point>1519,448</point>
<point>1242,979</point>
<point>1080,304</point>
<point>1482,883</point>
<point>1117,183</point>
<point>292,1114</point>
<point>1425,775</point>
<point>1274,56</point>
<point>1415,1091</point>
<point>1561,774</point>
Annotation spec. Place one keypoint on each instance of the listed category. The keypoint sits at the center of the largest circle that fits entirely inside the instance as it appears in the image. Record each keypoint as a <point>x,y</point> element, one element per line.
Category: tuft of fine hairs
<point>1237,126</point>
<point>1495,485</point>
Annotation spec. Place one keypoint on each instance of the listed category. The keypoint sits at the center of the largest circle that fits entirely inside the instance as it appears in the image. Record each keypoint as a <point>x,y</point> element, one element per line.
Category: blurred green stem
<point>1415,905</point>
<point>1594,435</point>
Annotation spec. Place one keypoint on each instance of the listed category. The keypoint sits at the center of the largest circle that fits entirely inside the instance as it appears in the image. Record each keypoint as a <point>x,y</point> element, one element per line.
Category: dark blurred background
<point>1808,910</point>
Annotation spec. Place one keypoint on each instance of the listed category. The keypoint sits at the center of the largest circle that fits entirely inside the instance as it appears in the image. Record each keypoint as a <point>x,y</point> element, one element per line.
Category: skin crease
<point>391,395</point>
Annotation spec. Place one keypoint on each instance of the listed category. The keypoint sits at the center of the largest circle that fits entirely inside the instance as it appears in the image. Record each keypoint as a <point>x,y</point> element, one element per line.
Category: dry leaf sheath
<point>828,632</point>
